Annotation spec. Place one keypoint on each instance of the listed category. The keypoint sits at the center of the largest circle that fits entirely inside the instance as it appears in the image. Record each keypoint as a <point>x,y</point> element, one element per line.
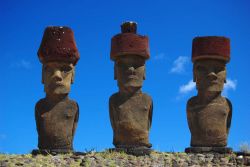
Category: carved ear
<point>73,76</point>
<point>194,75</point>
<point>43,74</point>
<point>225,81</point>
<point>115,72</point>
<point>144,74</point>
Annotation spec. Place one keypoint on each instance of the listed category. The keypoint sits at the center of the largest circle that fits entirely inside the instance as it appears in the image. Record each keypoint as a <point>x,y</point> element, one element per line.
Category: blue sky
<point>170,25</point>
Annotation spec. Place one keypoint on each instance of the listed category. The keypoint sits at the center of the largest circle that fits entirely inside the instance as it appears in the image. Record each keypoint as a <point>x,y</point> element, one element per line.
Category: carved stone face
<point>130,71</point>
<point>57,77</point>
<point>210,75</point>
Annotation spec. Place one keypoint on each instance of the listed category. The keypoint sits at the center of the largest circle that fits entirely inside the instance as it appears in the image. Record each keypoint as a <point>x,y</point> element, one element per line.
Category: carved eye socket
<point>219,69</point>
<point>66,69</point>
<point>134,65</point>
<point>200,68</point>
<point>138,64</point>
<point>126,63</point>
<point>48,69</point>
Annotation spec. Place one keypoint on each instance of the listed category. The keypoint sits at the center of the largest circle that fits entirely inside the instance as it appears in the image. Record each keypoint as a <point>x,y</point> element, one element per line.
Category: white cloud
<point>159,56</point>
<point>21,64</point>
<point>187,87</point>
<point>179,64</point>
<point>229,85</point>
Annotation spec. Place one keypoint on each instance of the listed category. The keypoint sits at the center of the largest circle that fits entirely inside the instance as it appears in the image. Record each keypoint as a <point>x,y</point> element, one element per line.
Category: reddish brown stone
<point>58,43</point>
<point>214,47</point>
<point>129,27</point>
<point>129,43</point>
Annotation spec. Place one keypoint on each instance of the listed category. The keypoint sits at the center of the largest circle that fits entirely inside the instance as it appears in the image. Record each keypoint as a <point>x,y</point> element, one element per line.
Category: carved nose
<point>57,76</point>
<point>131,70</point>
<point>212,76</point>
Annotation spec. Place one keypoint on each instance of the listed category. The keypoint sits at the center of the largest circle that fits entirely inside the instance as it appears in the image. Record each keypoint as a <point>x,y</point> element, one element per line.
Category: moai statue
<point>130,110</point>
<point>209,114</point>
<point>56,115</point>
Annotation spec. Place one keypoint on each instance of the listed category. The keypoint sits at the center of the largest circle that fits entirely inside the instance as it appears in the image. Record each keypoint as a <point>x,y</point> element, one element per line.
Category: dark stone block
<point>221,150</point>
<point>136,151</point>
<point>51,152</point>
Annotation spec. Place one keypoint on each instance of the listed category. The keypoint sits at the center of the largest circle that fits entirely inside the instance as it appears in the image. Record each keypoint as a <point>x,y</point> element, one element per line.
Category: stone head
<point>209,75</point>
<point>129,51</point>
<point>210,55</point>
<point>130,71</point>
<point>59,55</point>
<point>57,77</point>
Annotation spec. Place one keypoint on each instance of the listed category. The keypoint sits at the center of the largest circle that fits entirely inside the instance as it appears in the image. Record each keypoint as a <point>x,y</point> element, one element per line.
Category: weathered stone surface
<point>56,124</point>
<point>59,42</point>
<point>215,47</point>
<point>130,110</point>
<point>136,151</point>
<point>222,150</point>
<point>209,114</point>
<point>56,115</point>
<point>120,159</point>
<point>131,119</point>
<point>129,43</point>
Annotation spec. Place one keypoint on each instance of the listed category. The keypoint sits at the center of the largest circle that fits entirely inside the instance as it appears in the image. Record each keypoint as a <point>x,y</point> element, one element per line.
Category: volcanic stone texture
<point>156,159</point>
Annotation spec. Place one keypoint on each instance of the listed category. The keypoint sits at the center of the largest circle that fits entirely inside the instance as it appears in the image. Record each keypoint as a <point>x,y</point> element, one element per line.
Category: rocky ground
<point>114,159</point>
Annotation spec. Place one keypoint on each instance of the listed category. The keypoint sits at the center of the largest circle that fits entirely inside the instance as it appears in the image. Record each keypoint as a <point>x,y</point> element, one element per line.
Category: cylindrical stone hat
<point>129,43</point>
<point>211,47</point>
<point>58,44</point>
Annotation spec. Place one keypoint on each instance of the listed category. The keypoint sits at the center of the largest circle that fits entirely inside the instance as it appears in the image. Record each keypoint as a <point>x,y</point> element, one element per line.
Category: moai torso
<point>56,124</point>
<point>209,123</point>
<point>131,119</point>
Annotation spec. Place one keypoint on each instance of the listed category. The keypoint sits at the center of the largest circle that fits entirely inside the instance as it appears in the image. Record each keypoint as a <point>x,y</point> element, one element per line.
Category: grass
<point>112,154</point>
<point>245,147</point>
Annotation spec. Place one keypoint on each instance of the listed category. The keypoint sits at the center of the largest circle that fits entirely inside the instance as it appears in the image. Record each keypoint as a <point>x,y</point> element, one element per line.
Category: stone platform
<point>136,151</point>
<point>52,152</point>
<point>221,150</point>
